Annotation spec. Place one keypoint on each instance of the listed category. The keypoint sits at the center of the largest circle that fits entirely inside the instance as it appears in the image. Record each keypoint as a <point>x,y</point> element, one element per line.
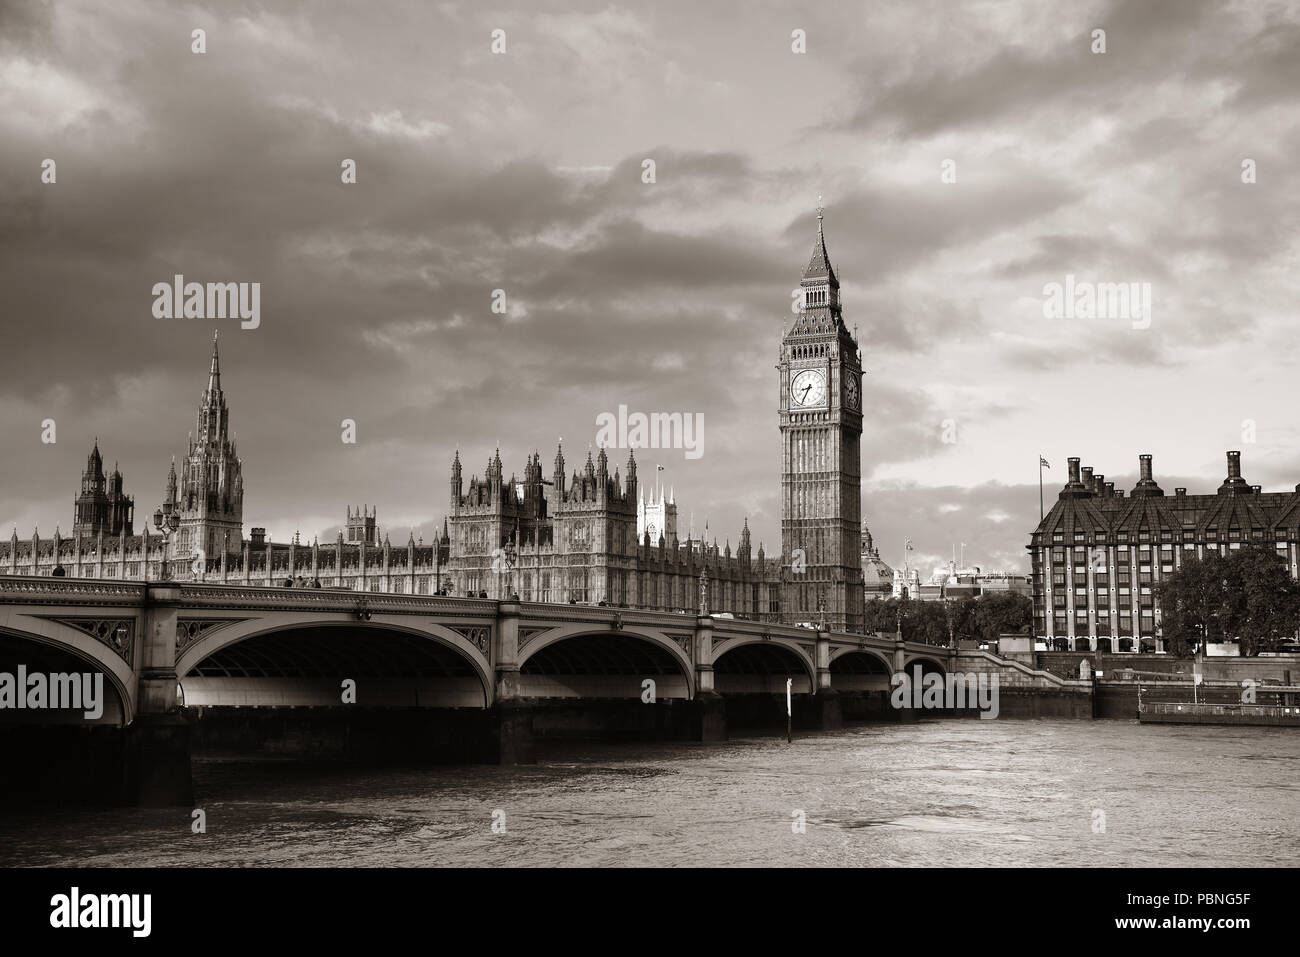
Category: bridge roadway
<point>171,651</point>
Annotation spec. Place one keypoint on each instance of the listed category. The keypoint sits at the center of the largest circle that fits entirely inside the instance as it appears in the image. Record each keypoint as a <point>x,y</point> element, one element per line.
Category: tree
<point>1191,603</point>
<point>1247,596</point>
<point>882,615</point>
<point>938,622</point>
<point>998,613</point>
<point>1263,604</point>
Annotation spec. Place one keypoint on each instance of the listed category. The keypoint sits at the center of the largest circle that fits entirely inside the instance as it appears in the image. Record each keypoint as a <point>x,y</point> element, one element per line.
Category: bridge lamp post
<point>166,521</point>
<point>510,554</point>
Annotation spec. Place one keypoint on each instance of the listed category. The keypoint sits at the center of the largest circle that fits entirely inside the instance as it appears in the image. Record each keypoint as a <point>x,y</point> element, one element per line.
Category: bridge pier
<point>906,714</point>
<point>708,717</point>
<point>510,728</point>
<point>157,762</point>
<point>708,709</point>
<point>158,740</point>
<point>826,703</point>
<point>510,719</point>
<point>827,714</point>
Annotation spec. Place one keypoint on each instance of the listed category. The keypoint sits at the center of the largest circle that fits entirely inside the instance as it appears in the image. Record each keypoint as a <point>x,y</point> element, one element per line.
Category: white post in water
<point>788,711</point>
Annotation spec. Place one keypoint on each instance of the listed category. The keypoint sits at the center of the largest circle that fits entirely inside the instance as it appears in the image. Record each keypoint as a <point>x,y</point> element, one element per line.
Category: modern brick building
<point>1098,554</point>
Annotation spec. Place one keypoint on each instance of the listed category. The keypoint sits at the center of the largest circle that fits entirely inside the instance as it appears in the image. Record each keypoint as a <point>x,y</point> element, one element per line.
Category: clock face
<point>808,389</point>
<point>851,391</point>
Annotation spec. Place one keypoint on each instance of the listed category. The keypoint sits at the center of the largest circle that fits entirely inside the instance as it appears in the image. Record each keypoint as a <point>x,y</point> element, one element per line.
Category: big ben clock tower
<point>821,456</point>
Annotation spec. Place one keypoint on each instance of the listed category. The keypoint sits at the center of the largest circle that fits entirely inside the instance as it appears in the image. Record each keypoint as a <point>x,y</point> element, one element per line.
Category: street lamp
<point>509,554</point>
<point>166,521</point>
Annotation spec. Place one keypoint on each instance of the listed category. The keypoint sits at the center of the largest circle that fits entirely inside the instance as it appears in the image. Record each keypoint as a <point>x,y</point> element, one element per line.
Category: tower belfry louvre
<point>820,418</point>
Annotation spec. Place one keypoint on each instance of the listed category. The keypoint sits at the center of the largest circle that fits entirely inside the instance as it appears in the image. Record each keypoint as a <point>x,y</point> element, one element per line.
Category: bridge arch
<point>229,656</point>
<point>928,664</point>
<point>75,645</point>
<point>608,662</point>
<point>860,669</point>
<point>764,658</point>
<point>874,656</point>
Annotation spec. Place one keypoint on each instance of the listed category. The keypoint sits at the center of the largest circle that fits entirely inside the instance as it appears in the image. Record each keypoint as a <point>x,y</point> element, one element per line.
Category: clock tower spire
<point>820,419</point>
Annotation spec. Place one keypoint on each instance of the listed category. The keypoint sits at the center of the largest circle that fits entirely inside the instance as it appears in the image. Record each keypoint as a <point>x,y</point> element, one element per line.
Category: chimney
<point>1087,477</point>
<point>1234,482</point>
<point>1180,492</point>
<point>1110,490</point>
<point>1146,484</point>
<point>1099,484</point>
<point>1075,487</point>
<point>1257,489</point>
<point>257,537</point>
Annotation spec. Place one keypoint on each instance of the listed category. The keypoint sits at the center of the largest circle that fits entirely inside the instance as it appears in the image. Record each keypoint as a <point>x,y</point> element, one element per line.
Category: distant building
<point>210,500</point>
<point>950,583</point>
<point>878,577</point>
<point>102,506</point>
<point>1097,555</point>
<point>656,516</point>
<point>361,527</point>
<point>585,535</point>
<point>907,583</point>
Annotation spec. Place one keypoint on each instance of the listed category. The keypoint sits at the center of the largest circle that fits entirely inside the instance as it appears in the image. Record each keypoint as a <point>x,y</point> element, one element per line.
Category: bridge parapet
<point>69,591</point>
<point>329,599</point>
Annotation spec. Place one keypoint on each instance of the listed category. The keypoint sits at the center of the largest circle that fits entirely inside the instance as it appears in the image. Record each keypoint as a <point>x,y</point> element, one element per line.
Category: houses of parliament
<point>590,534</point>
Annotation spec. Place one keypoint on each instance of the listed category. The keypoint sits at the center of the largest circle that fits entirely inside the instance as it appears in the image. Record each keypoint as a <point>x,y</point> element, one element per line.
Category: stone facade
<point>591,536</point>
<point>820,417</point>
<point>102,505</point>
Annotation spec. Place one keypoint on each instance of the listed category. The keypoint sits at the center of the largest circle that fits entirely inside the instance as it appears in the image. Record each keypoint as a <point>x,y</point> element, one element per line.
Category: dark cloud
<point>523,173</point>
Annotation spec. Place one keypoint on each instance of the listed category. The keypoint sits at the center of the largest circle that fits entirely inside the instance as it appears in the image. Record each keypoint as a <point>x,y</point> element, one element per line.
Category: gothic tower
<point>821,459</point>
<point>210,501</point>
<point>102,506</point>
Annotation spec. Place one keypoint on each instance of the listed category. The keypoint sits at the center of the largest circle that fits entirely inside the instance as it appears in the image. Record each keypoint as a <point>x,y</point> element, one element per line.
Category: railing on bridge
<point>89,591</point>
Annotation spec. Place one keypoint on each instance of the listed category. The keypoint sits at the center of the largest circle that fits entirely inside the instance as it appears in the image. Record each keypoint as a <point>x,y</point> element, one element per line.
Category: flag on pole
<point>1043,463</point>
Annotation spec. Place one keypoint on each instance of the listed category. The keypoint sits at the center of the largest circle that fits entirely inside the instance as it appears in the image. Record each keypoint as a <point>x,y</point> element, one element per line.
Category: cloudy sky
<point>523,171</point>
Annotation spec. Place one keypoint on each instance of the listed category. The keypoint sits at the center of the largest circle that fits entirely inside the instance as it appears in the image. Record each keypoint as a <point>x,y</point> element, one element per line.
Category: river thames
<point>941,792</point>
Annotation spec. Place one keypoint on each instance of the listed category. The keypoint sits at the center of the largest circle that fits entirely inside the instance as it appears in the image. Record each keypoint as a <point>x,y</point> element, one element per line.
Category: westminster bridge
<point>291,669</point>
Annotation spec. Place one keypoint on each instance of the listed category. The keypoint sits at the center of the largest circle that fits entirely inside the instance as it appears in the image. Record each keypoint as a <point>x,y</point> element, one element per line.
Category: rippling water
<point>936,793</point>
